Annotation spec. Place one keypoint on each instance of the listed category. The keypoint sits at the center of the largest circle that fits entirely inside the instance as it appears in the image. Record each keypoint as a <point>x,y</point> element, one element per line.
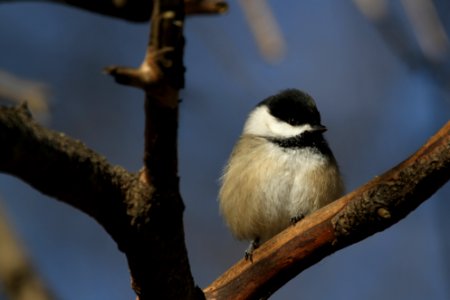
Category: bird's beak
<point>319,128</point>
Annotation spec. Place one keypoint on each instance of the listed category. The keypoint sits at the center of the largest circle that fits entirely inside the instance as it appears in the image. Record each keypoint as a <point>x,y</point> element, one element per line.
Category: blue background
<point>378,111</point>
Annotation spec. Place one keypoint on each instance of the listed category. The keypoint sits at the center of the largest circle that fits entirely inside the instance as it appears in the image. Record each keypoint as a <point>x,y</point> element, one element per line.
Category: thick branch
<point>59,166</point>
<point>371,208</point>
<point>131,10</point>
<point>161,76</point>
<point>146,227</point>
<point>136,10</point>
<point>67,170</point>
<point>143,214</point>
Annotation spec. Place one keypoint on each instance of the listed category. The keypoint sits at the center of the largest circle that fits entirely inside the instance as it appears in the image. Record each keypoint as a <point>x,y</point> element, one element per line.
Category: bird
<point>280,170</point>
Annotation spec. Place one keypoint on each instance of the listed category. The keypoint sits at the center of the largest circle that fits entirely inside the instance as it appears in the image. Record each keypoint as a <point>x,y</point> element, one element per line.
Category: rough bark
<point>136,10</point>
<point>142,212</point>
<point>161,76</point>
<point>145,222</point>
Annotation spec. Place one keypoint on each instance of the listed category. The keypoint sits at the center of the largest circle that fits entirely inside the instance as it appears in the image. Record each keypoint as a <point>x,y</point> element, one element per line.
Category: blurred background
<point>380,74</point>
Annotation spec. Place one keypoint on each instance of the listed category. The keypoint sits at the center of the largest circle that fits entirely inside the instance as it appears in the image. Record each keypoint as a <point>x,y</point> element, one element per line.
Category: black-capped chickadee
<point>280,170</point>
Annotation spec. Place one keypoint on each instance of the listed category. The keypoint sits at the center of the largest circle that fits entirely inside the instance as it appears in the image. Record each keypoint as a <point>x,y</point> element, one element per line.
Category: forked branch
<point>142,212</point>
<point>161,76</point>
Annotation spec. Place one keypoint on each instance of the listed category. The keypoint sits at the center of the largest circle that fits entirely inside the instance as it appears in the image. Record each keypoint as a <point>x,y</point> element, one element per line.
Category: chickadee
<point>280,170</point>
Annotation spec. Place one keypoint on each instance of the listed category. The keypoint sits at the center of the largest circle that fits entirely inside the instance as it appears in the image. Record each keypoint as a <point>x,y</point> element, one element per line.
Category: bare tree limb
<point>371,208</point>
<point>146,227</point>
<point>58,166</point>
<point>200,7</point>
<point>143,213</point>
<point>136,10</point>
<point>131,10</point>
<point>161,76</point>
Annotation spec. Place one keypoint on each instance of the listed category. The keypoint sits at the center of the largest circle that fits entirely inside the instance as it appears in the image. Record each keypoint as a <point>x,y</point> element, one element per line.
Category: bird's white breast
<point>264,186</point>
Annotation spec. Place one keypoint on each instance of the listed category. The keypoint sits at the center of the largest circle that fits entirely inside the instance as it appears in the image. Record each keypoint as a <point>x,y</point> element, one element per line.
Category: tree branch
<point>136,10</point>
<point>143,214</point>
<point>131,10</point>
<point>161,76</point>
<point>146,227</point>
<point>200,7</point>
<point>371,208</point>
<point>59,166</point>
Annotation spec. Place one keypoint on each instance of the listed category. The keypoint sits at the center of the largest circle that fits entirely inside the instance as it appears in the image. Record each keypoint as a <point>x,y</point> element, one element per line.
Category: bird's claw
<point>297,218</point>
<point>249,252</point>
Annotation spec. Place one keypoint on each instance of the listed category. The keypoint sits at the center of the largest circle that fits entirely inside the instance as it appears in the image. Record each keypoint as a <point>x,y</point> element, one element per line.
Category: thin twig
<point>267,33</point>
<point>200,7</point>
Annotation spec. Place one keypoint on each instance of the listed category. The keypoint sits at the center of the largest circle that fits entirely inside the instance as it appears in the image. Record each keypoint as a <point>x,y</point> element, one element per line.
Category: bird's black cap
<point>294,107</point>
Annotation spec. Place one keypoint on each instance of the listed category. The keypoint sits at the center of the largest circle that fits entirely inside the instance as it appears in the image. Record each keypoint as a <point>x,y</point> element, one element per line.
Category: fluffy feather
<point>281,168</point>
<point>264,186</point>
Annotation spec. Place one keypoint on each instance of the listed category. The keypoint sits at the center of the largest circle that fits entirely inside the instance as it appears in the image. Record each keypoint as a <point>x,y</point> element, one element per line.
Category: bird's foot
<point>297,218</point>
<point>249,252</point>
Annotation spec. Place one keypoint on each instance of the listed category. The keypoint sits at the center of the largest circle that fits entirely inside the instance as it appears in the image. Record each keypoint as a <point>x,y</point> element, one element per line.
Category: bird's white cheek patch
<point>262,123</point>
<point>282,129</point>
